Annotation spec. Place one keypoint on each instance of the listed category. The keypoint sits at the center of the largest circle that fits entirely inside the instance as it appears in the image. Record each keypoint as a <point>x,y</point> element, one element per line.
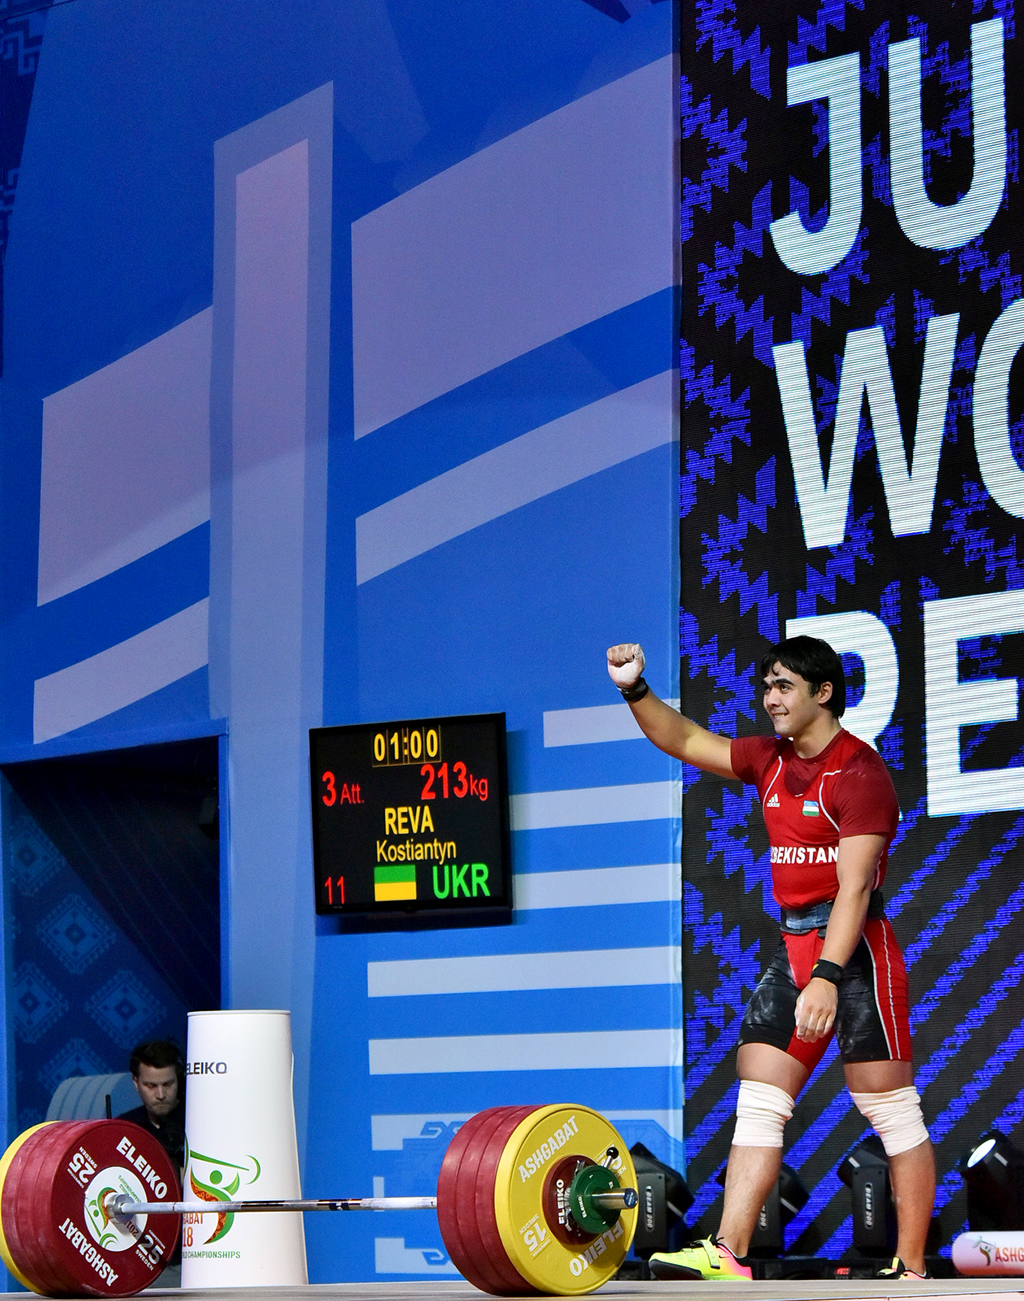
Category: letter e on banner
<point>951,704</point>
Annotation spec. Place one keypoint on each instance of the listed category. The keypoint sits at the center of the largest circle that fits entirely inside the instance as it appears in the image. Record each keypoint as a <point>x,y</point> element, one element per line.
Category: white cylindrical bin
<point>999,1252</point>
<point>240,1130</point>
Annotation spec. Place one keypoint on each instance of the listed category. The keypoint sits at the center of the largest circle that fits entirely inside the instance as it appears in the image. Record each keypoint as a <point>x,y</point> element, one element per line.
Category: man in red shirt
<point>831,813</point>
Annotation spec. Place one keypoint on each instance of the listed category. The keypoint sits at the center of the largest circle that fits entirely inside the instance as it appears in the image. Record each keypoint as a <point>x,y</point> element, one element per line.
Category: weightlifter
<point>831,812</point>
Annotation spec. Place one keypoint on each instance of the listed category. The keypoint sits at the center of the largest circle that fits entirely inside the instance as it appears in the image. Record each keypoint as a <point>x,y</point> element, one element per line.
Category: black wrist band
<point>830,971</point>
<point>636,692</point>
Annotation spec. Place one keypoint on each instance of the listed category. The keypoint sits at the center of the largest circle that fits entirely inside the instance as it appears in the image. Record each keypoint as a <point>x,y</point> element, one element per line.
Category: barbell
<point>529,1200</point>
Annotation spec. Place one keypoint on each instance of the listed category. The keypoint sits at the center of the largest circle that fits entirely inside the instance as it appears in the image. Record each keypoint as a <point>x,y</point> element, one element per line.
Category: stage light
<point>664,1200</point>
<point>787,1197</point>
<point>993,1172</point>
<point>865,1171</point>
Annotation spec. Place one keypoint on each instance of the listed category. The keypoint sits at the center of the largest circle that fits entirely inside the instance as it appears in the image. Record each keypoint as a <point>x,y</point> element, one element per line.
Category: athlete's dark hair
<point>159,1053</point>
<point>814,660</point>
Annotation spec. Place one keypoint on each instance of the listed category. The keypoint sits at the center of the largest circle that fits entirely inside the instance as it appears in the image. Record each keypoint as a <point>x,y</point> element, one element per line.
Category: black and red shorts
<point>872,1021</point>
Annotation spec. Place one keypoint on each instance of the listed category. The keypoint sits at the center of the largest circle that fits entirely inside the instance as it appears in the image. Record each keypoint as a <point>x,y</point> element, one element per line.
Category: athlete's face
<point>790,703</point>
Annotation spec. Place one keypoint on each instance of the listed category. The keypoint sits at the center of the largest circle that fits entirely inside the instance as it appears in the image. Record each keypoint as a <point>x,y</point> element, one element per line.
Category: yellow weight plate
<point>5,1165</point>
<point>524,1206</point>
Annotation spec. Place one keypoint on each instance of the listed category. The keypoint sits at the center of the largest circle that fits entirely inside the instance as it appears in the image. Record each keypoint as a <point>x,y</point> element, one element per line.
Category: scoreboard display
<point>411,816</point>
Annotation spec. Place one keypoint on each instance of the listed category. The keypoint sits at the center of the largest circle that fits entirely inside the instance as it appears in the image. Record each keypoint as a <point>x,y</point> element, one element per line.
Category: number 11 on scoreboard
<point>330,886</point>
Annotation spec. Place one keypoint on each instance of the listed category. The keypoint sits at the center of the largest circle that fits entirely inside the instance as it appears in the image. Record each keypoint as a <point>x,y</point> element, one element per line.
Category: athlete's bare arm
<point>670,731</point>
<point>858,861</point>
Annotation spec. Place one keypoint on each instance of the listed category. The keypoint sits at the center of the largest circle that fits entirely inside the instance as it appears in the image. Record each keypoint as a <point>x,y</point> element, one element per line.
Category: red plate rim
<point>33,1179</point>
<point>455,1193</point>
<point>483,1202</point>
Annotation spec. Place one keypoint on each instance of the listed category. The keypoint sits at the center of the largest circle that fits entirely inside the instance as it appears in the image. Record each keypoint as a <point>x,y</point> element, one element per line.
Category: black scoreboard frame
<point>434,763</point>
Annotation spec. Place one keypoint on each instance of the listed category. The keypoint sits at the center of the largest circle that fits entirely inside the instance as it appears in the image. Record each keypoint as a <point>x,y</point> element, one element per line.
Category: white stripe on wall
<point>392,1256</point>
<point>559,224</point>
<point>592,724</point>
<point>125,459</point>
<point>122,674</point>
<point>595,805</point>
<point>595,437</point>
<point>488,973</point>
<point>389,1132</point>
<point>584,1050</point>
<point>590,887</point>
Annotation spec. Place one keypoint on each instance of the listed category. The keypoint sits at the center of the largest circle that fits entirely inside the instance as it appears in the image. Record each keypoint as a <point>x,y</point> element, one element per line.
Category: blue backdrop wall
<point>339,385</point>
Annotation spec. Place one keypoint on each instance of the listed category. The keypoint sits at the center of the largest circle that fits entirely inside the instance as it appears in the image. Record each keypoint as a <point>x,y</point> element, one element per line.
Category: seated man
<point>159,1075</point>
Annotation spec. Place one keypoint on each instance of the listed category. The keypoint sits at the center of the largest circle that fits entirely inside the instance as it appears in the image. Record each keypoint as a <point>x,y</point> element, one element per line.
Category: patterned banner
<point>852,468</point>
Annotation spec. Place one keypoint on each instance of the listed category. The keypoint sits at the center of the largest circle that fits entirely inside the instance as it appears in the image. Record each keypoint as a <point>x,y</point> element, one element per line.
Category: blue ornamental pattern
<point>76,933</point>
<point>82,994</point>
<point>38,1004</point>
<point>126,1009</point>
<point>954,892</point>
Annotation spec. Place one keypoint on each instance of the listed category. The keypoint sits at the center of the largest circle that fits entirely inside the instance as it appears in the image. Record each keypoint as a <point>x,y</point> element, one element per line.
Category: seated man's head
<point>156,1069</point>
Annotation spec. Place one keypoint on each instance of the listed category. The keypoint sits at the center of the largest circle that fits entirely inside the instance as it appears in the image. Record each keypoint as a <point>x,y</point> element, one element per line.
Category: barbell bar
<point>529,1200</point>
<point>121,1207</point>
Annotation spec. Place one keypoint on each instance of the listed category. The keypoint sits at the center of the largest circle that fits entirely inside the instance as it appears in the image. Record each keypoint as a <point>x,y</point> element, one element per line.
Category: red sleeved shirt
<point>809,804</point>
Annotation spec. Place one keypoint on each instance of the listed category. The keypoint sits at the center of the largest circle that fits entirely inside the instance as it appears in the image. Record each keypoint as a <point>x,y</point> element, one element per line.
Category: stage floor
<point>991,1289</point>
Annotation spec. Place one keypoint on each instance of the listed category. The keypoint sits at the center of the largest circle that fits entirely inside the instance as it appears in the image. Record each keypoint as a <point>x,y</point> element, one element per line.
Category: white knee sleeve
<point>761,1113</point>
<point>896,1117</point>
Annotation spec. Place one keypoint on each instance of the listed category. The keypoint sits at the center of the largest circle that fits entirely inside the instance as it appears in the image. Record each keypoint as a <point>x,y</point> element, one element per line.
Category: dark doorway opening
<point>134,836</point>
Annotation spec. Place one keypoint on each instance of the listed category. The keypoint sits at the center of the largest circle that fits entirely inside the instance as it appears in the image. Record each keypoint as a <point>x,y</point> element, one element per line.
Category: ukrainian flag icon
<point>394,881</point>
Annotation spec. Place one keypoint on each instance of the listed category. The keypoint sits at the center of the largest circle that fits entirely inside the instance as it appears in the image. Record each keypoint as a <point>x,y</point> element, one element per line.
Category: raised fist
<point>625,663</point>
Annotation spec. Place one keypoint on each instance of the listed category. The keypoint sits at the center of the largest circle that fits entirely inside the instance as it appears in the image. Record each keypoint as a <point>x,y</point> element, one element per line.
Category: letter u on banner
<point>933,225</point>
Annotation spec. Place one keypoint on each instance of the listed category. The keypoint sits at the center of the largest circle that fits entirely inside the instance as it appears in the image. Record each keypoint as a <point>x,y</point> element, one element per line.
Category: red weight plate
<point>447,1200</point>
<point>25,1206</point>
<point>496,1271</point>
<point>37,1185</point>
<point>455,1211</point>
<point>34,1198</point>
<point>14,1210</point>
<point>483,1203</point>
<point>9,1260</point>
<point>102,1258</point>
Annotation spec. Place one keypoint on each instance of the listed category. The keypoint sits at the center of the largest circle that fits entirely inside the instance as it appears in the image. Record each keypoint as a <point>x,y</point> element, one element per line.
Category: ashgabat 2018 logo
<point>214,1179</point>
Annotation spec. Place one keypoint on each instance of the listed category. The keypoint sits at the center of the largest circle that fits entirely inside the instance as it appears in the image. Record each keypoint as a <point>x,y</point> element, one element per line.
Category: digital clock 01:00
<point>406,744</point>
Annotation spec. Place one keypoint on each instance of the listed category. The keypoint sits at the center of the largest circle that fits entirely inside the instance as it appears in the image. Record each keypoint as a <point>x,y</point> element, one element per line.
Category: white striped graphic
<point>595,805</point>
<point>392,1256</point>
<point>556,225</point>
<point>125,459</point>
<point>389,1132</point>
<point>592,724</point>
<point>584,1050</point>
<point>494,972</point>
<point>122,674</point>
<point>593,438</point>
<point>590,887</point>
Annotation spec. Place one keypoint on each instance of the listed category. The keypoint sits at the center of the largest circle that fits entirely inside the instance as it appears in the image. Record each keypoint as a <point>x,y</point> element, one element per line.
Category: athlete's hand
<point>816,1010</point>
<point>625,663</point>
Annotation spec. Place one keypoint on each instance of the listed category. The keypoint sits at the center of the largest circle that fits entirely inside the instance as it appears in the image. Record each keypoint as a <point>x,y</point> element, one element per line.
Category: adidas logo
<point>773,803</point>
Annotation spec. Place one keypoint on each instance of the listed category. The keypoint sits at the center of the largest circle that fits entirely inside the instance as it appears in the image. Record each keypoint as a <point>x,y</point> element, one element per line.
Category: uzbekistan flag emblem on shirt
<point>810,808</point>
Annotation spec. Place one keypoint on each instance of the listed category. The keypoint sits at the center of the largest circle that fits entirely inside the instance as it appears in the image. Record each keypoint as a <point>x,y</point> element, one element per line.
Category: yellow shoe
<point>900,1271</point>
<point>707,1258</point>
